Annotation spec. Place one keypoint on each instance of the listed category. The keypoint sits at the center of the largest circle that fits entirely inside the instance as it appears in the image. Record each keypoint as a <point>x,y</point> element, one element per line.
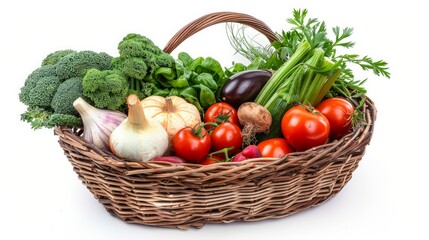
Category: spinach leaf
<point>205,79</point>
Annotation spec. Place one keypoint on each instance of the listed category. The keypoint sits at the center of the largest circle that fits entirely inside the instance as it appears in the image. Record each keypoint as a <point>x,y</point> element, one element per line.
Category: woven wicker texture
<point>191,195</point>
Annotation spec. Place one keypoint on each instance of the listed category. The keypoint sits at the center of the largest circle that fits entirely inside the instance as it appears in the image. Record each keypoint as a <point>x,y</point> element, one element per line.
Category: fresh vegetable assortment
<point>145,105</point>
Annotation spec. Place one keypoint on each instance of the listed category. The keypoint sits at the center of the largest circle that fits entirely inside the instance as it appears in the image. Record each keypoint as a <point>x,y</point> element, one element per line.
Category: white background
<point>41,197</point>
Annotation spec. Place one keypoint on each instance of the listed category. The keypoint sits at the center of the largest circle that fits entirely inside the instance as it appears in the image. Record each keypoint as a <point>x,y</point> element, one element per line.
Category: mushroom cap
<point>250,113</point>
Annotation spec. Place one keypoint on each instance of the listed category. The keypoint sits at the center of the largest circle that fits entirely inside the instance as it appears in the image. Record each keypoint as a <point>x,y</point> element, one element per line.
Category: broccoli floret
<point>107,89</point>
<point>68,120</point>
<point>165,60</point>
<point>140,57</point>
<point>136,45</point>
<point>131,48</point>
<point>78,63</point>
<point>132,67</point>
<point>66,94</point>
<point>42,93</point>
<point>54,57</point>
<point>32,79</point>
<point>40,118</point>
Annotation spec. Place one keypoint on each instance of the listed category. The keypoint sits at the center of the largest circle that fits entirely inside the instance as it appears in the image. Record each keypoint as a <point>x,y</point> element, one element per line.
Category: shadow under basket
<point>191,195</point>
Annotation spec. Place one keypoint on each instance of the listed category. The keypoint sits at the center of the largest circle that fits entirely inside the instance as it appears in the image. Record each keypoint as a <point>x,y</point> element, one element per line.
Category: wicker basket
<point>190,195</point>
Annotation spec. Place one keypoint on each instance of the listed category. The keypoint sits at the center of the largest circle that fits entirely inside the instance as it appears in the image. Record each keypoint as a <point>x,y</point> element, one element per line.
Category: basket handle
<point>215,18</point>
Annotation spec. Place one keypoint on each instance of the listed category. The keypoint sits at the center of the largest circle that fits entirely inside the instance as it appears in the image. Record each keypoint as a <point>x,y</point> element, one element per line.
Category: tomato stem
<point>197,130</point>
<point>223,117</point>
<point>225,152</point>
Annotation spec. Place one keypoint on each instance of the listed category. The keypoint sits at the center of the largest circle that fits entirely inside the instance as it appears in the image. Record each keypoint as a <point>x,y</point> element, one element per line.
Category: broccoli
<point>136,45</point>
<point>165,60</point>
<point>44,90</point>
<point>58,119</point>
<point>132,67</point>
<point>32,79</point>
<point>76,64</point>
<point>54,57</point>
<point>141,89</point>
<point>140,57</point>
<point>50,90</point>
<point>66,94</point>
<point>107,89</point>
<point>40,118</point>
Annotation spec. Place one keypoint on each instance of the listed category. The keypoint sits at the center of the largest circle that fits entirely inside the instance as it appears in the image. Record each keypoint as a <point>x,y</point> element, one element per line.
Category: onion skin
<point>138,138</point>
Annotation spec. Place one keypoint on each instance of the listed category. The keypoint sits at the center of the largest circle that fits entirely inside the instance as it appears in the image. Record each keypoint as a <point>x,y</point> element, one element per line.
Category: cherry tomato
<point>275,147</point>
<point>339,113</point>
<point>219,113</point>
<point>191,145</point>
<point>227,135</point>
<point>304,127</point>
<point>211,160</point>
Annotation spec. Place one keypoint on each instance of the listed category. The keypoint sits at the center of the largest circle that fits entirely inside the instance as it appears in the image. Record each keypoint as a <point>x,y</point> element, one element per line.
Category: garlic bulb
<point>98,124</point>
<point>138,138</point>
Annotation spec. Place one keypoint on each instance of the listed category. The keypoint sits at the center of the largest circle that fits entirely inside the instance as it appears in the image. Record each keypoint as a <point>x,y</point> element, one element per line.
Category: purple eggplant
<point>244,87</point>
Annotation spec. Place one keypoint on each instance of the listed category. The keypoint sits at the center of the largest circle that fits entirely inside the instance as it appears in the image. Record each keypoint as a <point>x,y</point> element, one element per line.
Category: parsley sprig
<point>316,33</point>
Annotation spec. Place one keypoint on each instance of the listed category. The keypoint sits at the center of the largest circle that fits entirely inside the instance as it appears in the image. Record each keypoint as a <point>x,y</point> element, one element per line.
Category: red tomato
<point>219,113</point>
<point>275,147</point>
<point>211,160</point>
<point>227,135</point>
<point>190,146</point>
<point>305,127</point>
<point>339,113</point>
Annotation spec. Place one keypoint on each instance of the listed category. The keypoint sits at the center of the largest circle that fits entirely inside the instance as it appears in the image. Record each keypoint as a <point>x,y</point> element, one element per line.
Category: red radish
<point>239,157</point>
<point>171,159</point>
<point>251,151</point>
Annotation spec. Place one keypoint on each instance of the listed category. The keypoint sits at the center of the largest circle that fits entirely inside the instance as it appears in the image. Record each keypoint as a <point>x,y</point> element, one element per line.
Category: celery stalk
<point>314,60</point>
<point>274,83</point>
<point>326,86</point>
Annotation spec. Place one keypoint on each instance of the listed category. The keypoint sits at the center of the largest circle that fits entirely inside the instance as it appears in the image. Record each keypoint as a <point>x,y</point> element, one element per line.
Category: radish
<point>239,157</point>
<point>251,151</point>
<point>171,159</point>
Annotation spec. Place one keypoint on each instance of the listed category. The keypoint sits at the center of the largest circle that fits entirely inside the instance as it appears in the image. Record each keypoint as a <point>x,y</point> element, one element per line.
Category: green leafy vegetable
<point>307,64</point>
